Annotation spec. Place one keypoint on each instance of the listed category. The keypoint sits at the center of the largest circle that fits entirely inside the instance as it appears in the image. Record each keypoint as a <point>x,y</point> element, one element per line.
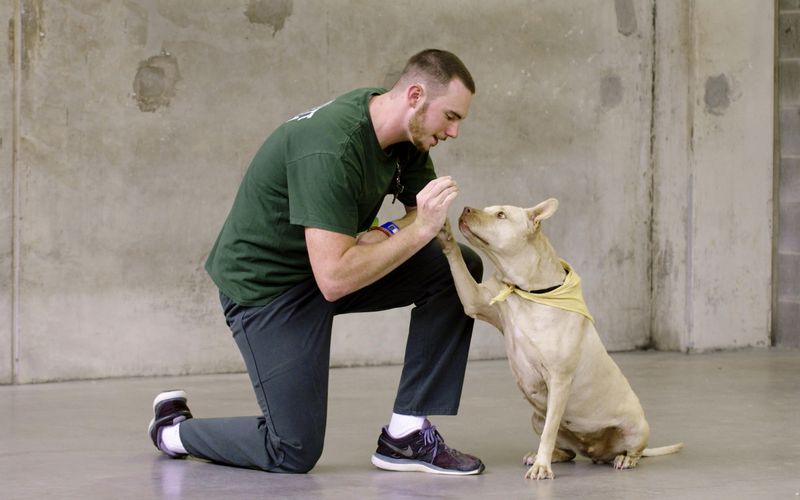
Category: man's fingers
<point>436,191</point>
<point>436,186</point>
<point>445,197</point>
<point>450,197</point>
<point>434,200</point>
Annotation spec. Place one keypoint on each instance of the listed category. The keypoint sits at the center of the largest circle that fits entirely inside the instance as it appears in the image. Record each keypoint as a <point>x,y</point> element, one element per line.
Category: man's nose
<point>452,130</point>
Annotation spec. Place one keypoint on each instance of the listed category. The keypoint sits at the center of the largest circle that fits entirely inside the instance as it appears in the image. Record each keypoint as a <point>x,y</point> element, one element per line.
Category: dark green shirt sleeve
<point>323,193</point>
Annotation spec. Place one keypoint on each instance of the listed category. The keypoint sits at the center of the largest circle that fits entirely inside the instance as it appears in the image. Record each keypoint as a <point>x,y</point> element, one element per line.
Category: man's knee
<point>300,464</point>
<point>299,456</point>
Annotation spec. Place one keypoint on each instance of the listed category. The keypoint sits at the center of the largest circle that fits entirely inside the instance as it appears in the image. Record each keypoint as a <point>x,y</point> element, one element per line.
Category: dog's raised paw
<point>445,236</point>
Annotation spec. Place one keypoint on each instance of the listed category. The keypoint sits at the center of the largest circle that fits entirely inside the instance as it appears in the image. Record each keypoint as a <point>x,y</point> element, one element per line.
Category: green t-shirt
<point>324,169</point>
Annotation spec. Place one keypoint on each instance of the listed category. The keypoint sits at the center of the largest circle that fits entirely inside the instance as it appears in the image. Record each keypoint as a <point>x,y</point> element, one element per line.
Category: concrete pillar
<point>7,143</point>
<point>713,166</point>
<point>786,316</point>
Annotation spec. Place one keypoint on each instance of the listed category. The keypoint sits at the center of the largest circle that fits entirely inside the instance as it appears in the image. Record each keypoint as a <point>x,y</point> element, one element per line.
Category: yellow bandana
<point>568,296</point>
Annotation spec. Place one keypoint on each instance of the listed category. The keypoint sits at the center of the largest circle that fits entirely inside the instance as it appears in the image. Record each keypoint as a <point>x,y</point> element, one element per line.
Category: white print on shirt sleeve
<point>305,115</point>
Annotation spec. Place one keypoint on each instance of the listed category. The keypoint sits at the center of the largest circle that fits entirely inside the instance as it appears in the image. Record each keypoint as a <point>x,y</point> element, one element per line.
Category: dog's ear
<point>542,211</point>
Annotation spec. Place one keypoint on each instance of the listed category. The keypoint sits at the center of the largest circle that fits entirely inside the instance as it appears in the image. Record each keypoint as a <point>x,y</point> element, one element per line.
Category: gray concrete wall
<point>138,119</point>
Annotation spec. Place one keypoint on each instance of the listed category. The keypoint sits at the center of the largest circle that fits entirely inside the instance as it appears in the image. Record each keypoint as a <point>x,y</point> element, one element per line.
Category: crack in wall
<point>652,186</point>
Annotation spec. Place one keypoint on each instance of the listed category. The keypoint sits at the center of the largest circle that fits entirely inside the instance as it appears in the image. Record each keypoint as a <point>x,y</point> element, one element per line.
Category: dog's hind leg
<point>563,451</point>
<point>565,448</point>
<point>628,461</point>
<point>559,455</point>
<point>562,455</point>
<point>635,442</point>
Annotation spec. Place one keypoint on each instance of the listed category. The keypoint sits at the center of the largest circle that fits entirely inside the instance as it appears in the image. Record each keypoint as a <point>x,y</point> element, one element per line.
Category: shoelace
<point>431,437</point>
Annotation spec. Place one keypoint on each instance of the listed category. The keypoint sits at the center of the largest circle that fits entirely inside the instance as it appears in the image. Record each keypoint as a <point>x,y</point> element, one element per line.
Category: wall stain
<point>32,32</point>
<point>611,91</point>
<point>270,12</point>
<point>626,16</point>
<point>155,80</point>
<point>664,263</point>
<point>620,256</point>
<point>11,38</point>
<point>717,94</point>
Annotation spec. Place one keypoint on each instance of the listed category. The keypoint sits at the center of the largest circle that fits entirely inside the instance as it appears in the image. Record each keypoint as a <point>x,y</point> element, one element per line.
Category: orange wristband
<point>381,229</point>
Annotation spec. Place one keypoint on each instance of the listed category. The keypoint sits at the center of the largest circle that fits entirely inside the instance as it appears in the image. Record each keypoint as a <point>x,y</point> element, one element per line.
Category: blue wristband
<point>391,227</point>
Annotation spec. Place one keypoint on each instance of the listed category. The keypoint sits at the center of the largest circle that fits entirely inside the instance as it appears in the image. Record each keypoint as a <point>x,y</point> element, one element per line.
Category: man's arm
<point>341,266</point>
<point>370,237</point>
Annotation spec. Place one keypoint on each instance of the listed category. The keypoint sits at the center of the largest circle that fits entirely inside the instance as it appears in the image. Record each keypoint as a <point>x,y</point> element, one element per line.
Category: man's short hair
<point>439,66</point>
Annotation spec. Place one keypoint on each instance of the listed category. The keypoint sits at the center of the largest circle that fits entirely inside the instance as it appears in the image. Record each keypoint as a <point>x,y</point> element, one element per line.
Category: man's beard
<point>416,129</point>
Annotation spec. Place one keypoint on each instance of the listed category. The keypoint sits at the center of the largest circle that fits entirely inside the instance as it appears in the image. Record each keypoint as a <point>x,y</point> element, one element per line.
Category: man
<point>298,248</point>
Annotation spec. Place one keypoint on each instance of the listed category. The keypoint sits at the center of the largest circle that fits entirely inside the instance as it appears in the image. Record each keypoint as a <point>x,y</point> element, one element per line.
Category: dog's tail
<point>662,450</point>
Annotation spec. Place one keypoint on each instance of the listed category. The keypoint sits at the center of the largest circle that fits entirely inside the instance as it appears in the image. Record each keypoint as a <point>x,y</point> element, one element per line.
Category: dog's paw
<point>529,459</point>
<point>625,461</point>
<point>445,236</point>
<point>539,471</point>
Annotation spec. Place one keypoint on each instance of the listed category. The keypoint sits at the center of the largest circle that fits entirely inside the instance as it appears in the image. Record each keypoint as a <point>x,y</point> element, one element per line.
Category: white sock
<point>401,425</point>
<point>171,439</point>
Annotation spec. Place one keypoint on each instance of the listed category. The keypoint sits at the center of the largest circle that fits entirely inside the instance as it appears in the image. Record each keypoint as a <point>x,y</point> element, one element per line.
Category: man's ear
<point>542,211</point>
<point>415,94</point>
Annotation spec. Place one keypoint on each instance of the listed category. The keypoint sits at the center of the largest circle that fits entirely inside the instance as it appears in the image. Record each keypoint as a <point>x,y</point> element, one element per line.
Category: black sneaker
<point>169,408</point>
<point>423,451</point>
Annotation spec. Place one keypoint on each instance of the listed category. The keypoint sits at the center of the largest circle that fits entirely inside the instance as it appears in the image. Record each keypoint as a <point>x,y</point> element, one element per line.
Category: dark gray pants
<point>286,349</point>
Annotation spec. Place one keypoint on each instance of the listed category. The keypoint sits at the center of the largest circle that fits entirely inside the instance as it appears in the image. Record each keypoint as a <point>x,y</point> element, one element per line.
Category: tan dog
<point>582,402</point>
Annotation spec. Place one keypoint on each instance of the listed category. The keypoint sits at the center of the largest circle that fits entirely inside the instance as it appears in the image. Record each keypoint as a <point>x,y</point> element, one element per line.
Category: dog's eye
<point>501,215</point>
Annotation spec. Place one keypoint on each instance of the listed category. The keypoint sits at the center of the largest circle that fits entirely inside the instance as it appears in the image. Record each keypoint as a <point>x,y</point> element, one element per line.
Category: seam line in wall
<point>16,230</point>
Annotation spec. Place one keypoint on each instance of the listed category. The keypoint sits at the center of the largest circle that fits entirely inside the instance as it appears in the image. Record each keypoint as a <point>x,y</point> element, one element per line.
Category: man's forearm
<point>372,237</point>
<point>408,218</point>
<point>341,265</point>
<point>345,267</point>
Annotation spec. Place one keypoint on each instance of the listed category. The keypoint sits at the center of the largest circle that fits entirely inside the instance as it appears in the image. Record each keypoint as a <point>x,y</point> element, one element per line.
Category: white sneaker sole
<point>402,465</point>
<point>163,397</point>
<point>177,394</point>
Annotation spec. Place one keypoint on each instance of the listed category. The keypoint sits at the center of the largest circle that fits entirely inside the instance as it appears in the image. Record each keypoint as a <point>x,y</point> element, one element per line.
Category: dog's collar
<point>545,290</point>
<point>541,291</point>
<point>567,296</point>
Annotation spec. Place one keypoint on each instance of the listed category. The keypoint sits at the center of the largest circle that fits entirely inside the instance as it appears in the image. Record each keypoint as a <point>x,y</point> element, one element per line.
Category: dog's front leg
<point>474,297</point>
<point>557,395</point>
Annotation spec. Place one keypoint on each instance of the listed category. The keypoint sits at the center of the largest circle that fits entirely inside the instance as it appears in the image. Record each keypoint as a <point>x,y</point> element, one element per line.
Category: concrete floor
<point>737,412</point>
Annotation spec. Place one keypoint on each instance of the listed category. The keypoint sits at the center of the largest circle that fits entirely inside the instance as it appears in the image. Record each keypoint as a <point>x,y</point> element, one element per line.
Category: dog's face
<point>511,238</point>
<point>504,230</point>
<point>494,229</point>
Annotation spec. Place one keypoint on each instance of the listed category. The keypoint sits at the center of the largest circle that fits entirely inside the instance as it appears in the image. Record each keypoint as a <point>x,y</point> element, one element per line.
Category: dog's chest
<point>537,343</point>
<point>527,365</point>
